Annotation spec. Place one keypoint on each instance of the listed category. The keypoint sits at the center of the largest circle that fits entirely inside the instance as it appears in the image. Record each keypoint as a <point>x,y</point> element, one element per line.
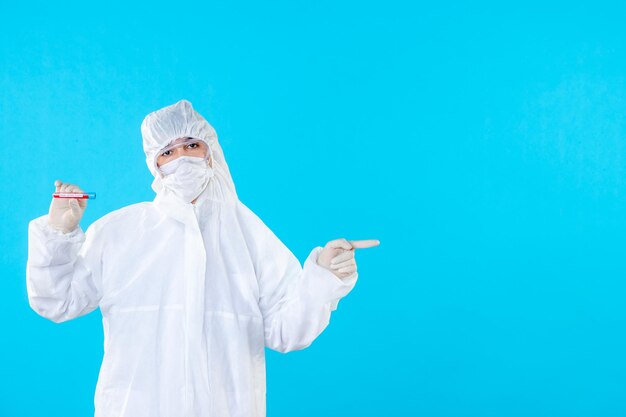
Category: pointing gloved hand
<point>338,255</point>
<point>65,213</point>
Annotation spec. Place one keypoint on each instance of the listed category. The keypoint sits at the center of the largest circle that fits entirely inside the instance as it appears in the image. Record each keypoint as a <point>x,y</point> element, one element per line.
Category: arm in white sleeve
<point>296,302</point>
<point>63,272</point>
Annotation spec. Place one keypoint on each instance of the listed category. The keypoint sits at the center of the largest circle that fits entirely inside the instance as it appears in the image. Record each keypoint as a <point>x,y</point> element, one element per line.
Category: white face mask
<point>186,176</point>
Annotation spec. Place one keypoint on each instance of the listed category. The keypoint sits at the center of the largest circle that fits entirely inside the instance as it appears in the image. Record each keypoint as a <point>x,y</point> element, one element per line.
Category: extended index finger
<point>367,243</point>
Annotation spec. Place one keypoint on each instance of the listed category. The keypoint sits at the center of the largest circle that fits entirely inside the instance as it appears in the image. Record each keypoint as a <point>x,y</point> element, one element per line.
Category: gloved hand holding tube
<point>65,213</point>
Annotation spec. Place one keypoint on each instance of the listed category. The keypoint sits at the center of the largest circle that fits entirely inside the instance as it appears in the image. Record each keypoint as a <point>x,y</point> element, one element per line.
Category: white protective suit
<point>190,294</point>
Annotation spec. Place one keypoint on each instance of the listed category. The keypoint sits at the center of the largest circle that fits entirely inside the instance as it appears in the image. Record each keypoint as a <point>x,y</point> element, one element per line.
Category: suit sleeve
<point>63,271</point>
<point>296,301</point>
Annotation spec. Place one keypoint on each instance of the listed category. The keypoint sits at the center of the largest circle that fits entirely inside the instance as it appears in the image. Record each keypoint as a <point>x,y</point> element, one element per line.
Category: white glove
<point>65,213</point>
<point>338,255</point>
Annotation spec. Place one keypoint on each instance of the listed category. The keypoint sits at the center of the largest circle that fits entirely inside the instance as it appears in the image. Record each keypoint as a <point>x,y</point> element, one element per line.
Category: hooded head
<point>162,127</point>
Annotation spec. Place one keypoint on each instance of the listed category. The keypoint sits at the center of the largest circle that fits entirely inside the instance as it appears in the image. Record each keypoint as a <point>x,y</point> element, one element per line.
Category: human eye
<point>193,145</point>
<point>166,153</point>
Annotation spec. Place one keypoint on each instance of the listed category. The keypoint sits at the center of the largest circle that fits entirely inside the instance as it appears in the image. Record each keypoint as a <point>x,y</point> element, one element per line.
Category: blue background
<point>483,145</point>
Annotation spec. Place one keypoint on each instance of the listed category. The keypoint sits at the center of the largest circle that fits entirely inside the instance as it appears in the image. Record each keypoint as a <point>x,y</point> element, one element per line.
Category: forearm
<point>56,284</point>
<point>305,311</point>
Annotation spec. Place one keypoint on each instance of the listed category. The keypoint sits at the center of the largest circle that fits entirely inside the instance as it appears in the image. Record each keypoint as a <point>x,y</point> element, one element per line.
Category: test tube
<point>80,196</point>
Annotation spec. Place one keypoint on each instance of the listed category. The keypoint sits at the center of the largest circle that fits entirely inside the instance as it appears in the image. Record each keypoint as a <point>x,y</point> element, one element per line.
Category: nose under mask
<point>186,176</point>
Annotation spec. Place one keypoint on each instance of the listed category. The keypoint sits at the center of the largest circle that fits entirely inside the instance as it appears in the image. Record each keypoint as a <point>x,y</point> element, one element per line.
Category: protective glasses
<point>183,147</point>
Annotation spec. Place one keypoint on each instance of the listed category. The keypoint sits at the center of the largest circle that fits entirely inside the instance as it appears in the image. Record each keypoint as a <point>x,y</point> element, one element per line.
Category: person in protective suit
<point>192,286</point>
